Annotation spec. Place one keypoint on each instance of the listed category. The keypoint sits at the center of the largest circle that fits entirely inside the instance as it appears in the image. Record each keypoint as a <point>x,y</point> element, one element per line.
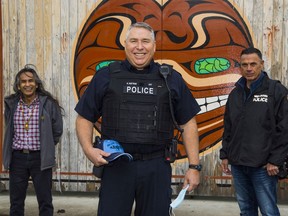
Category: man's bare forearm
<point>84,130</point>
<point>191,141</point>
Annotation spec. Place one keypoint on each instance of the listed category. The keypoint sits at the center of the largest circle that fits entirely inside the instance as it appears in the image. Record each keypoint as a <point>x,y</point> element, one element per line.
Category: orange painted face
<point>201,39</point>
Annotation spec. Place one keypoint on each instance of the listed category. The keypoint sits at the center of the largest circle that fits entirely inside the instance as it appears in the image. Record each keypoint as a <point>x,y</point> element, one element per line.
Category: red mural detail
<point>186,32</point>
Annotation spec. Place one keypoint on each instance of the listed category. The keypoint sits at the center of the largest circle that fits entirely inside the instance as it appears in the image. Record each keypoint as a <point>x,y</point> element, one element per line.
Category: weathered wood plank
<point>47,43</point>
<point>22,34</point>
<point>284,69</point>
<point>12,42</point>
<point>74,146</point>
<point>257,23</point>
<point>82,162</point>
<point>38,36</point>
<point>30,33</point>
<point>5,46</point>
<point>266,47</point>
<point>277,40</point>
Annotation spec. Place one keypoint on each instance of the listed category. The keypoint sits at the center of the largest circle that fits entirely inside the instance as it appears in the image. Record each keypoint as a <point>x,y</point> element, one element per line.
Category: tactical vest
<point>136,108</point>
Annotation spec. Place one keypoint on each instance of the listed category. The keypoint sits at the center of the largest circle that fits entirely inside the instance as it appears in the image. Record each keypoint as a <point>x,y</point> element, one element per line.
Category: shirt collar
<point>132,69</point>
<point>35,100</point>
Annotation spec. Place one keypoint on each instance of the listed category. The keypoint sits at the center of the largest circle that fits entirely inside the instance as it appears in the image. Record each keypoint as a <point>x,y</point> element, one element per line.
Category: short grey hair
<point>141,25</point>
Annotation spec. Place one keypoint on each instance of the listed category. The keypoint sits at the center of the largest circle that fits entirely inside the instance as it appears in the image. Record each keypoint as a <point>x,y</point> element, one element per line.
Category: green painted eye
<point>211,65</point>
<point>103,64</point>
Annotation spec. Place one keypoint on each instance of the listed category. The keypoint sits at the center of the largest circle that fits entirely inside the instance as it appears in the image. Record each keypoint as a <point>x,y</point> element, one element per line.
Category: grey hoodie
<point>50,126</point>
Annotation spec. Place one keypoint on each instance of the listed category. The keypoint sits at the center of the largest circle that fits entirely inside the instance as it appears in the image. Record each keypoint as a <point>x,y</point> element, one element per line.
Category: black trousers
<point>23,166</point>
<point>147,183</point>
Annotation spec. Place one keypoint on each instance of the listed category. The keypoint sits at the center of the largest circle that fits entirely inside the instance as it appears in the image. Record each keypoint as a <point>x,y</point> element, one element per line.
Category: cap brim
<point>114,156</point>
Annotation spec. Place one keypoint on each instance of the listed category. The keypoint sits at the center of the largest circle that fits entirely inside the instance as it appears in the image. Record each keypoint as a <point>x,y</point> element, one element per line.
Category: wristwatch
<point>196,167</point>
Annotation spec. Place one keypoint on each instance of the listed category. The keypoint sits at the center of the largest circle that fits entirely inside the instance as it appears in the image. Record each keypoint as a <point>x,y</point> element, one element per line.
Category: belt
<point>148,156</point>
<point>26,151</point>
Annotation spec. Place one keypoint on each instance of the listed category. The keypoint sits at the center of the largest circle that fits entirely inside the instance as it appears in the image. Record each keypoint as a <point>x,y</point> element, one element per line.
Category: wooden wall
<point>269,24</point>
<point>44,32</point>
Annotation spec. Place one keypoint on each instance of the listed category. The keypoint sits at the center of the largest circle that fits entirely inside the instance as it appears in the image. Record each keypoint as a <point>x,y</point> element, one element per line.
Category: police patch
<point>260,98</point>
<point>139,88</point>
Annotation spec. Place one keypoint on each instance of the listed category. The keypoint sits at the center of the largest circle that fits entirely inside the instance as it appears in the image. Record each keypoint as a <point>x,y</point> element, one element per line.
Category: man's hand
<point>225,168</point>
<point>84,129</point>
<point>192,177</point>
<point>191,143</point>
<point>96,155</point>
<point>272,169</point>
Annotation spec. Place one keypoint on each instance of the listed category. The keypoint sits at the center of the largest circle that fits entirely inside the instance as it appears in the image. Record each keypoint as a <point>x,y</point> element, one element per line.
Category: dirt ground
<point>85,204</point>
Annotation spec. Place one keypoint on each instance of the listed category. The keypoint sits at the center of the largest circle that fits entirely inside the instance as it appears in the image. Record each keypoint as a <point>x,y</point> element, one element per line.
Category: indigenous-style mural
<point>201,39</point>
<point>69,40</point>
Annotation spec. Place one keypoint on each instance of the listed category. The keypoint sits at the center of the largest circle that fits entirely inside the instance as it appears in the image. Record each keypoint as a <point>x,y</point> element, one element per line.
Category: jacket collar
<point>254,85</point>
<point>12,100</point>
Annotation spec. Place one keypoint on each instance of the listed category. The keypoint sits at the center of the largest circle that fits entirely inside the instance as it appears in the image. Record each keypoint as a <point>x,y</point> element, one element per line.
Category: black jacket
<point>249,137</point>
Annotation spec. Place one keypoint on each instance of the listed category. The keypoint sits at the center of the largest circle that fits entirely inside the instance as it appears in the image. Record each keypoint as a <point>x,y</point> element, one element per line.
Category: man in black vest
<point>133,98</point>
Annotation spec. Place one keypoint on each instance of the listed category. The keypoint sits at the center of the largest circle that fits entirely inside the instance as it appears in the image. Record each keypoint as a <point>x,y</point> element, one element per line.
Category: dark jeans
<point>148,183</point>
<point>255,188</point>
<point>22,167</point>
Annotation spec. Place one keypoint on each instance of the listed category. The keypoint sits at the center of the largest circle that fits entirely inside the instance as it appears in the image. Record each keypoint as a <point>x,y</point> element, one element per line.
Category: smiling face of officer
<point>140,47</point>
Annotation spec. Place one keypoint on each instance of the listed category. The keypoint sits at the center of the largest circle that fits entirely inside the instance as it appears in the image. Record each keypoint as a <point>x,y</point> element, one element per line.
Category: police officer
<point>132,98</point>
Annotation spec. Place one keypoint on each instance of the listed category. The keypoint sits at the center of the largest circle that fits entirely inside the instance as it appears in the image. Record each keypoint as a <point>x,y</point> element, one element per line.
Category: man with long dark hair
<point>33,126</point>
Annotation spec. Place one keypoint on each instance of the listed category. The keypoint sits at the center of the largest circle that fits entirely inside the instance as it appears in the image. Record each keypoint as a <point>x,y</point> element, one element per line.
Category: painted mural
<point>202,39</point>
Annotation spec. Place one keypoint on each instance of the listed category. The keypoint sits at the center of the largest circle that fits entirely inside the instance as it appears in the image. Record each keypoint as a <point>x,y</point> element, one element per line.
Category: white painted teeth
<point>211,103</point>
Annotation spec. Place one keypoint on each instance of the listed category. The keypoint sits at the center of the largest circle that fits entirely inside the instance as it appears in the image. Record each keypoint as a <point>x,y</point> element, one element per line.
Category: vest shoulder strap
<point>271,94</point>
<point>272,85</point>
<point>271,101</point>
<point>115,67</point>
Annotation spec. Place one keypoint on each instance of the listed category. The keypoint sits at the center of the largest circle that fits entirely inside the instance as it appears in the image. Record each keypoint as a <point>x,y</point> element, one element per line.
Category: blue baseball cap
<point>115,149</point>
